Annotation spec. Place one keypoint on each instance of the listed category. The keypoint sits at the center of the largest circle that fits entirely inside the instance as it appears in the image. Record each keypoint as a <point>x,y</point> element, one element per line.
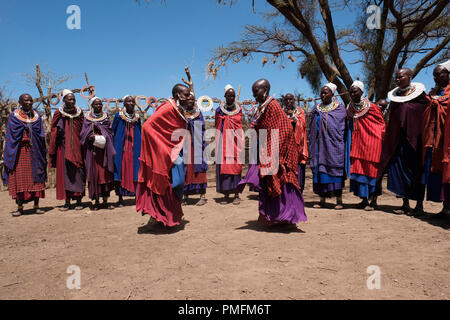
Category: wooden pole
<point>189,81</point>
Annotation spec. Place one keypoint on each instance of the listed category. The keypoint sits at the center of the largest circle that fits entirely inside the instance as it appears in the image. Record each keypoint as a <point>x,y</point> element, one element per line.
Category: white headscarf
<point>332,87</point>
<point>358,84</point>
<point>92,100</point>
<point>126,97</point>
<point>228,87</point>
<point>66,92</point>
<point>446,65</point>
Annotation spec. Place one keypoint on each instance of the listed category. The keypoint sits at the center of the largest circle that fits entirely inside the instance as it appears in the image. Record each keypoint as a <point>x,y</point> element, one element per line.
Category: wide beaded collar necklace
<point>91,116</point>
<point>357,110</point>
<point>127,117</point>
<point>65,114</point>
<point>235,110</point>
<point>24,117</point>
<point>327,107</point>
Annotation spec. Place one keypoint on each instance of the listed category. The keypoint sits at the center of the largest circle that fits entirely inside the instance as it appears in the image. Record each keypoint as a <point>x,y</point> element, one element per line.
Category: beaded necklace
<point>261,108</point>
<point>178,109</point>
<point>71,116</point>
<point>406,91</point>
<point>326,109</point>
<point>192,114</point>
<point>235,110</point>
<point>436,96</point>
<point>127,117</point>
<point>24,117</point>
<point>357,110</point>
<point>91,116</point>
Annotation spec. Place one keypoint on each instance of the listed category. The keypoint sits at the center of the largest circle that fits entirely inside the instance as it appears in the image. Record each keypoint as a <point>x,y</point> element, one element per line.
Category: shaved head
<point>261,90</point>
<point>403,78</point>
<point>441,76</point>
<point>264,83</point>
<point>406,71</point>
<point>22,96</point>
<point>178,88</point>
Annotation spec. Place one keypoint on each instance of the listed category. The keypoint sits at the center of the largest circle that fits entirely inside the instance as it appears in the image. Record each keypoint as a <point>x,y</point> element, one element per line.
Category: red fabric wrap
<point>72,150</point>
<point>434,116</point>
<point>158,151</point>
<point>127,160</point>
<point>21,184</point>
<point>274,118</point>
<point>446,153</point>
<point>230,165</point>
<point>301,136</point>
<point>367,141</point>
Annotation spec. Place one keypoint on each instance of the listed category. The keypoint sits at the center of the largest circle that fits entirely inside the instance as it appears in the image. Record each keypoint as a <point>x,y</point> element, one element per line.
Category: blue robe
<point>119,129</point>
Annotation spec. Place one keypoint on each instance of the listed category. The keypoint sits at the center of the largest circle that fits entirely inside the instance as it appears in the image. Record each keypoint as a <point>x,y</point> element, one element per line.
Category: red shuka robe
<point>301,136</point>
<point>230,165</point>
<point>435,116</point>
<point>367,141</point>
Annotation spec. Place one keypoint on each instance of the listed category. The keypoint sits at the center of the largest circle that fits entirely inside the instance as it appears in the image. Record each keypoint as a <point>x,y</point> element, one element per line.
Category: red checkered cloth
<point>274,118</point>
<point>21,178</point>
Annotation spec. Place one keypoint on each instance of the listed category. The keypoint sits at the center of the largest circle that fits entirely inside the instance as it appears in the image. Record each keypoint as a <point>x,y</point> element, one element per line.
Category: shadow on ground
<point>158,228</point>
<point>281,228</point>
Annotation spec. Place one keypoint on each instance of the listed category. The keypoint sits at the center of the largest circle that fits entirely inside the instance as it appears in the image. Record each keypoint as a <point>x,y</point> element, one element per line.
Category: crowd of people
<point>145,161</point>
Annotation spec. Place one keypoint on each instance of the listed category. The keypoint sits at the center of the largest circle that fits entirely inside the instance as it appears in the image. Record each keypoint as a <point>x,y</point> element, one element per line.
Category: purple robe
<point>104,127</point>
<point>326,146</point>
<point>14,135</point>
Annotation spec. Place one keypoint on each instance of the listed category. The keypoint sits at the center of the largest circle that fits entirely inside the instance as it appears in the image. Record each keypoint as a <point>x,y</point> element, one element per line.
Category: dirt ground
<point>220,252</point>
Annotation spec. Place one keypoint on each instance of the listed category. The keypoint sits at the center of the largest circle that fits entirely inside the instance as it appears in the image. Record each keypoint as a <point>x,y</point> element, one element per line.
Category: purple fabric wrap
<point>330,141</point>
<point>104,127</point>
<point>288,207</point>
<point>14,134</point>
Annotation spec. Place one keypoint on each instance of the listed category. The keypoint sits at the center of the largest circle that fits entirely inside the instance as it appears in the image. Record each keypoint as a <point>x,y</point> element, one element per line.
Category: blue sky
<point>127,48</point>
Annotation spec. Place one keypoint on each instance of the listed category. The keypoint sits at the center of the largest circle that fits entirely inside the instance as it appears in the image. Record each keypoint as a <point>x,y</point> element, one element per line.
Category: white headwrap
<point>358,84</point>
<point>332,87</point>
<point>228,87</point>
<point>93,99</point>
<point>126,97</point>
<point>446,65</point>
<point>66,92</point>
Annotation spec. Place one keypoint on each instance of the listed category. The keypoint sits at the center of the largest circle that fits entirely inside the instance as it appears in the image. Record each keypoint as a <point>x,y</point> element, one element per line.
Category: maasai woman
<point>434,119</point>
<point>327,147</point>
<point>229,146</point>
<point>65,152</point>
<point>25,156</point>
<point>363,146</point>
<point>161,183</point>
<point>298,121</point>
<point>195,163</point>
<point>276,176</point>
<point>126,129</point>
<point>99,152</point>
<point>401,156</point>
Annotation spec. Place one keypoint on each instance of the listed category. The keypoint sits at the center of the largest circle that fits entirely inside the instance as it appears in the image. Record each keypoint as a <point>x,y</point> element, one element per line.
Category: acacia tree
<point>306,31</point>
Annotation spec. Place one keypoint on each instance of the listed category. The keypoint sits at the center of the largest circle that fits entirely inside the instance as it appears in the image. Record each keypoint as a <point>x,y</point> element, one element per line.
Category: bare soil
<point>221,252</point>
